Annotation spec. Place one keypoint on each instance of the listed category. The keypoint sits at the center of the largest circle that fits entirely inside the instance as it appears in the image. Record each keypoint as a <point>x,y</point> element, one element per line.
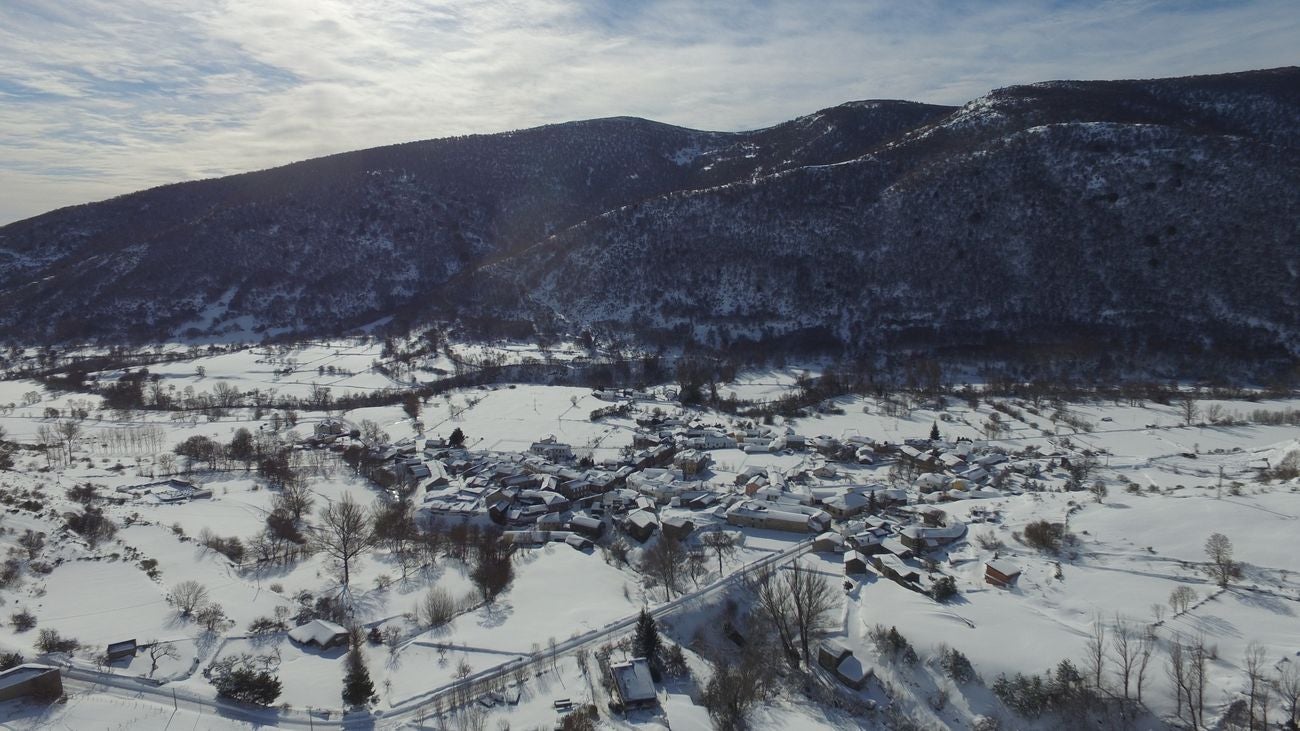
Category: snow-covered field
<point>1131,550</point>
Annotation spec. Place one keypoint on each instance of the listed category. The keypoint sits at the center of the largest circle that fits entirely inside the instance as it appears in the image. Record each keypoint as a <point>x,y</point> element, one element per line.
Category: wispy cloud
<point>100,97</point>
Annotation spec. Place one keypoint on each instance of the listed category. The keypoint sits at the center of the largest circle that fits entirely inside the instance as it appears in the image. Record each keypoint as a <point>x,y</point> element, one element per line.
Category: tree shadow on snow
<point>496,614</point>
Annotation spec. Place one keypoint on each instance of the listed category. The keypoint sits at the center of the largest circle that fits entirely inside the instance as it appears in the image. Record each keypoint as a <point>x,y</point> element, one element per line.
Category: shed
<point>1001,573</point>
<point>831,653</point>
<point>852,672</point>
<point>855,563</point>
<point>120,650</point>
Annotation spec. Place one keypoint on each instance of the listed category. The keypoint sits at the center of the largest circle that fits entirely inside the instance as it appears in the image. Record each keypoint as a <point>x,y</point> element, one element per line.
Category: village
<point>614,509</point>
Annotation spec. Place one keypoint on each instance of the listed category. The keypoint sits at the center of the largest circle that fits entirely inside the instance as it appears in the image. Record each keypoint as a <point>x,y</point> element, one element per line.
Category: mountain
<point>1151,213</point>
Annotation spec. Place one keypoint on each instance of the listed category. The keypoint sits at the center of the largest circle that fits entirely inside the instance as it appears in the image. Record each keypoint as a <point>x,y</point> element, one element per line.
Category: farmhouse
<point>641,524</point>
<point>633,684</point>
<point>321,633</point>
<point>778,516</point>
<point>551,449</point>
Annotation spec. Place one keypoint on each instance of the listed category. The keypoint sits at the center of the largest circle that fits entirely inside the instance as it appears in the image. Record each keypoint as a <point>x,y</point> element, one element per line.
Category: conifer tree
<point>645,643</point>
<point>358,688</point>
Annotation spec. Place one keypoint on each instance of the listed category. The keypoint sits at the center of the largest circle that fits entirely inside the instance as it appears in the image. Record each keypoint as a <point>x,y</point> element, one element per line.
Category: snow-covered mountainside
<point>1156,213</point>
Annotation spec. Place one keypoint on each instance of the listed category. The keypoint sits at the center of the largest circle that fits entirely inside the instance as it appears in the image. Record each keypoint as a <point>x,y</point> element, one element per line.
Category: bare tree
<point>295,499</point>
<point>1095,652</point>
<point>1181,598</point>
<point>68,431</point>
<point>1177,671</point>
<point>1188,409</point>
<point>1257,686</point>
<point>1219,550</point>
<point>665,562</point>
<point>159,650</point>
<point>1125,643</point>
<point>800,604</point>
<point>1287,687</point>
<point>436,607</point>
<point>344,533</point>
<point>772,602</point>
<point>722,544</point>
<point>188,596</point>
<point>1146,645</point>
<point>814,601</point>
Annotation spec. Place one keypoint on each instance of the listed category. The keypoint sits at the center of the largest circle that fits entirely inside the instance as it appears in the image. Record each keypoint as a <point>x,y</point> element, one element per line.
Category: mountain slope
<point>322,244</point>
<point>1156,214</point>
<point>1139,211</point>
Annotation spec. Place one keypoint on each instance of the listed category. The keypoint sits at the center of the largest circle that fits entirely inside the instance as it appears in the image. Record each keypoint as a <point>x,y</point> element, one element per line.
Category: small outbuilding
<point>121,650</point>
<point>831,653</point>
<point>855,563</point>
<point>1001,573</point>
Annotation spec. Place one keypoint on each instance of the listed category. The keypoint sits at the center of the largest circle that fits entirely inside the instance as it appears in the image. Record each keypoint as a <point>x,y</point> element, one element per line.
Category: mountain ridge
<point>633,229</point>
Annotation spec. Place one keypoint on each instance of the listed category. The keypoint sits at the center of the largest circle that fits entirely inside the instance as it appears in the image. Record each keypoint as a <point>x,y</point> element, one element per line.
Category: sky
<point>104,97</point>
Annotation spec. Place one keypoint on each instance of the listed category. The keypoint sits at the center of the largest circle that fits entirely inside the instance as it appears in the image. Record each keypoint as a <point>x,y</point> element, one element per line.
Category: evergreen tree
<point>457,438</point>
<point>934,431</point>
<point>645,643</point>
<point>357,686</point>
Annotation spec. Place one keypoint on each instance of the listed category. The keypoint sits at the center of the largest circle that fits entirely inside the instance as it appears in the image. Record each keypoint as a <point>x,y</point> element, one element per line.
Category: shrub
<point>944,588</point>
<point>51,641</point>
<point>892,644</point>
<point>436,608</point>
<point>957,665</point>
<point>265,626</point>
<point>92,525</point>
<point>1045,536</point>
<point>22,620</point>
<point>10,660</point>
<point>245,678</point>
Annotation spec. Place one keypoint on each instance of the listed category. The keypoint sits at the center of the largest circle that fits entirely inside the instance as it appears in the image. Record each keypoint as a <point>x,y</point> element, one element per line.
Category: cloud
<point>100,97</point>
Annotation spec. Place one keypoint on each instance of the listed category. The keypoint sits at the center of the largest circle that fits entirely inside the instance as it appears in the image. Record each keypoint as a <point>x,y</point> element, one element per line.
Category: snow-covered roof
<point>1003,566</point>
<point>852,669</point>
<point>23,673</point>
<point>634,681</point>
<point>317,632</point>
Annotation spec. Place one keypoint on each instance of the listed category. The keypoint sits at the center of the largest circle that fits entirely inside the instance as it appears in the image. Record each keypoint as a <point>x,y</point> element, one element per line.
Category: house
<point>778,516</point>
<point>587,526</point>
<point>31,679</point>
<point>677,527</point>
<point>920,538</point>
<point>1001,573</point>
<point>321,633</point>
<point>641,524</point>
<point>121,650</point>
<point>829,542</point>
<point>551,449</point>
<point>848,505</point>
<point>892,567</point>
<point>633,685</point>
<point>326,428</point>
<point>855,563</point>
<point>691,462</point>
<point>578,542</point>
